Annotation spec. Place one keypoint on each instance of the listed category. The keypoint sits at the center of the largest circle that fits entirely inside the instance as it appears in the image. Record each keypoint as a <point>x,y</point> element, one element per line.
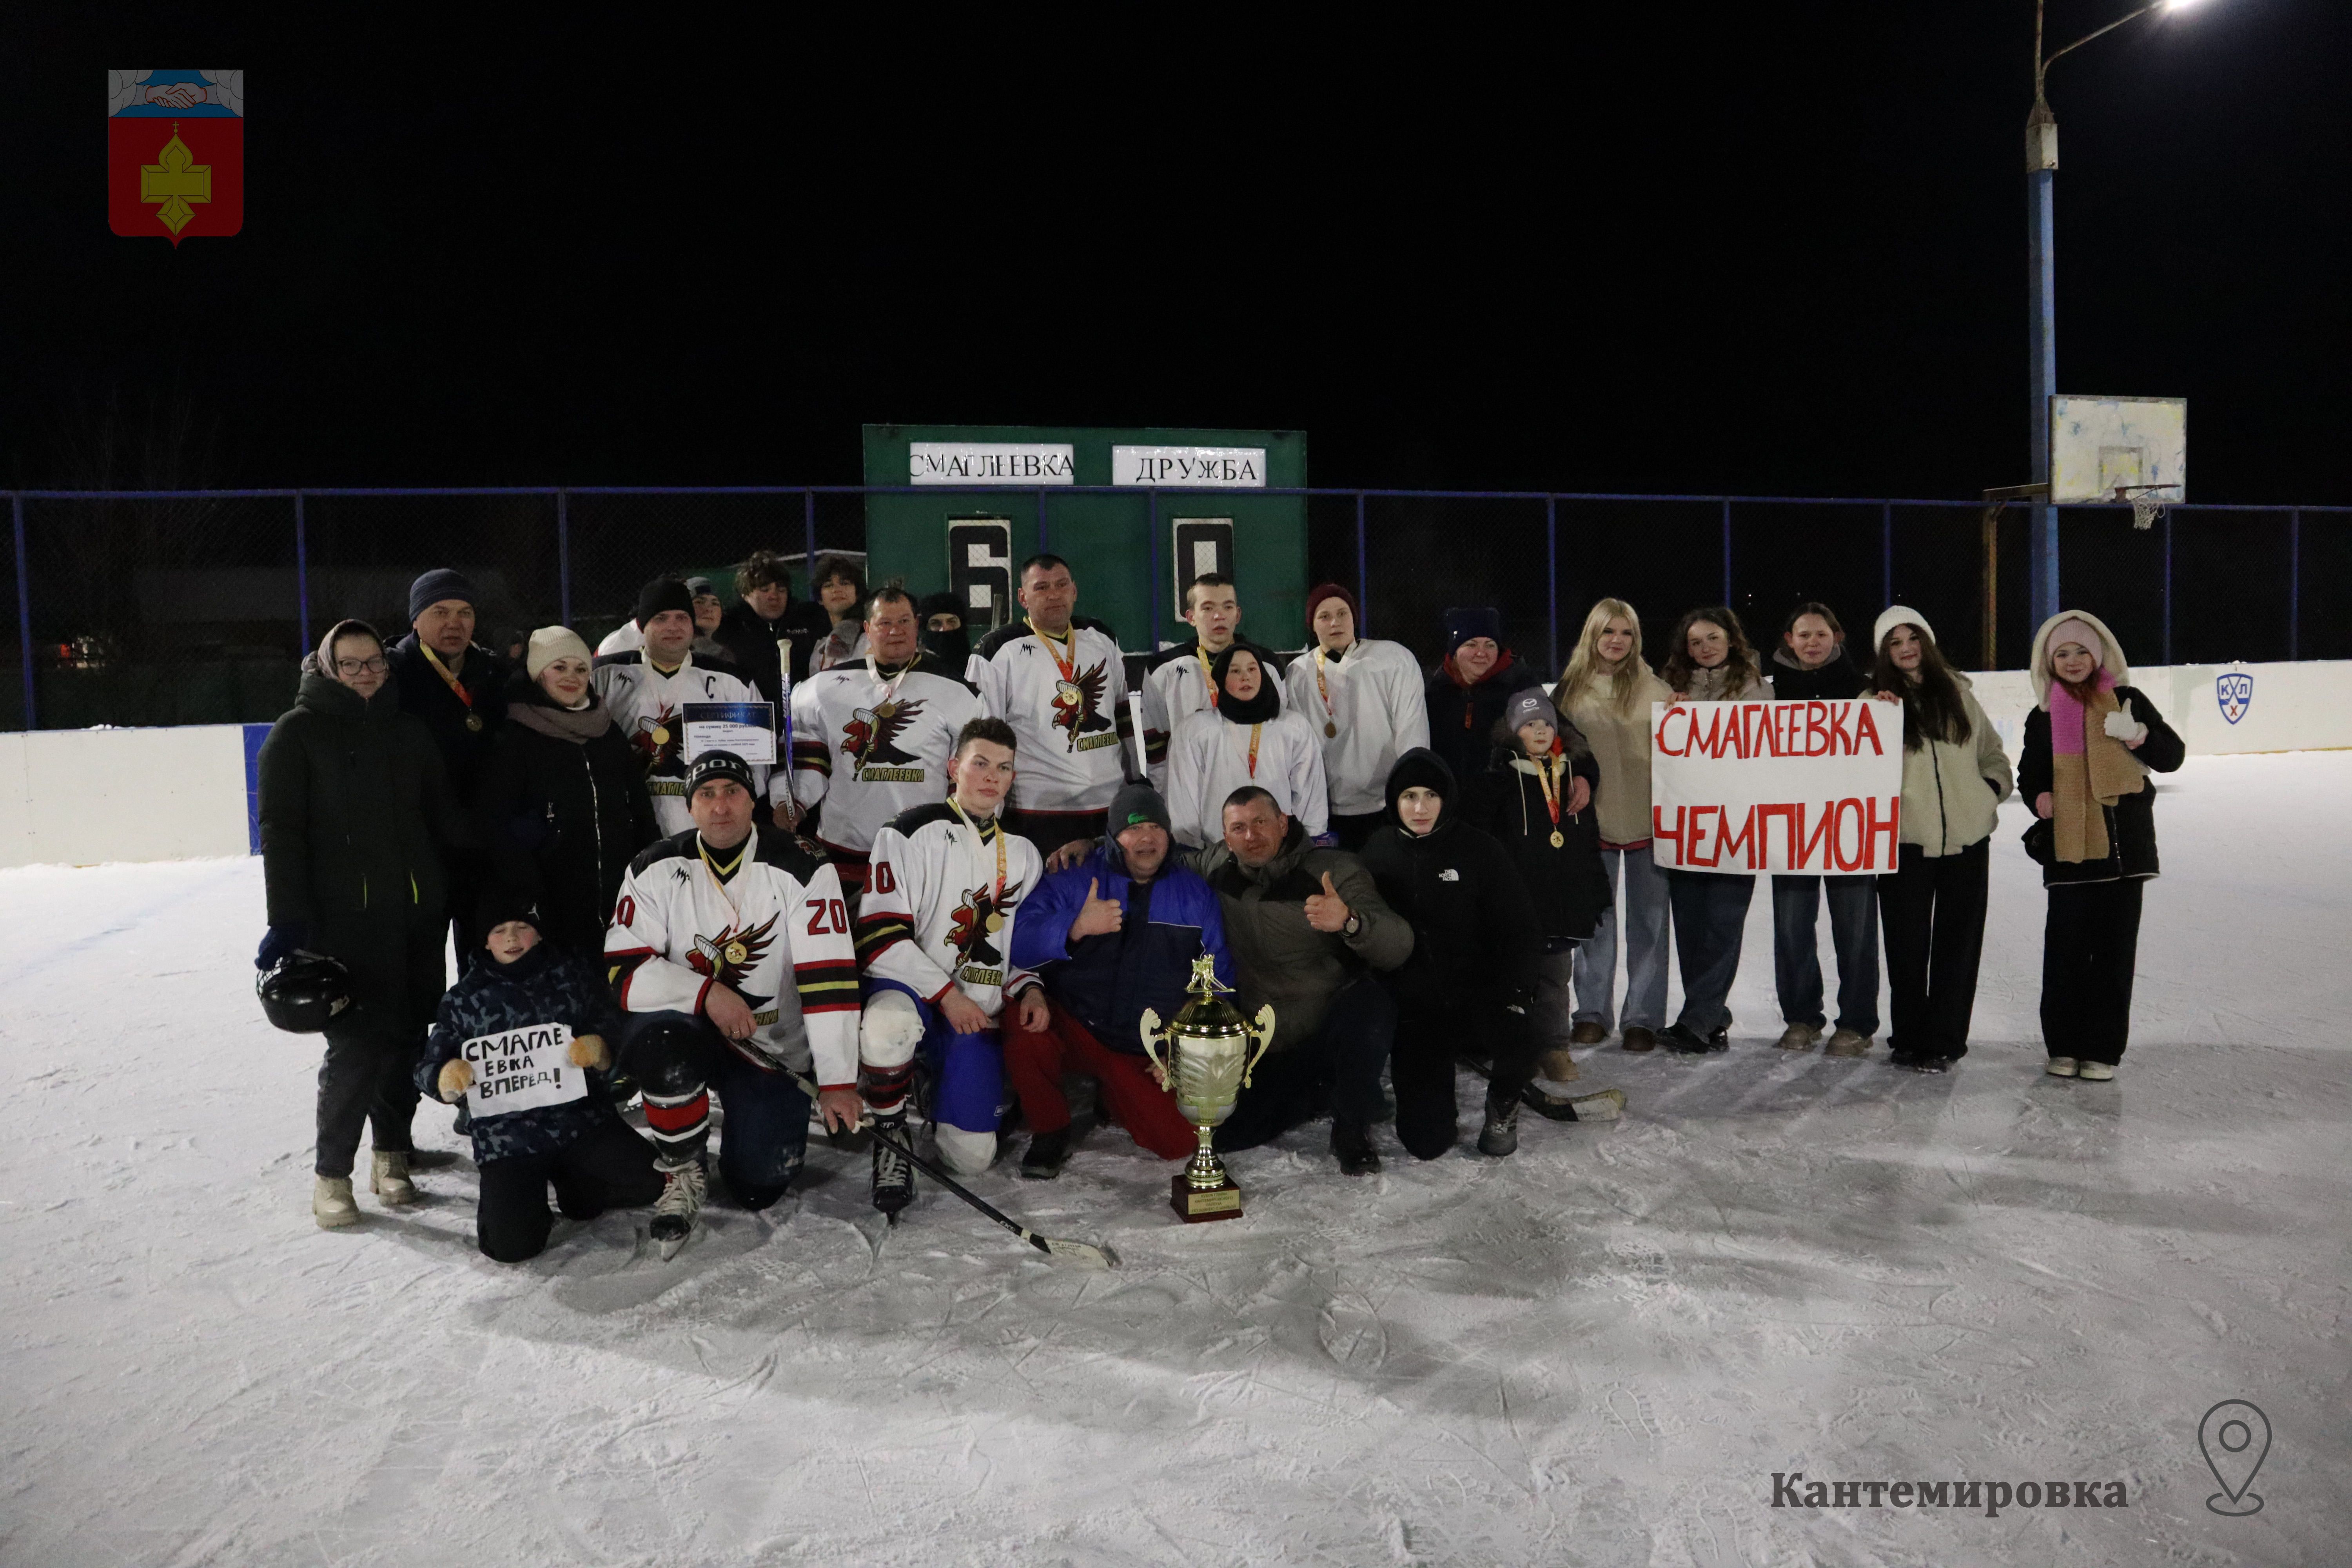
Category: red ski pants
<point>1035,1061</point>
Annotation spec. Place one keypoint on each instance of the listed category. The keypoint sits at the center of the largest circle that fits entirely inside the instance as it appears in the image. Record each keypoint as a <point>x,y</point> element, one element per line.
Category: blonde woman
<point>1606,693</point>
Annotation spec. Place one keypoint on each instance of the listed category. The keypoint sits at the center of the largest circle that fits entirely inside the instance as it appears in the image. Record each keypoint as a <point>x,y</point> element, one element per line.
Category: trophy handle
<point>1263,1030</point>
<point>1153,1036</point>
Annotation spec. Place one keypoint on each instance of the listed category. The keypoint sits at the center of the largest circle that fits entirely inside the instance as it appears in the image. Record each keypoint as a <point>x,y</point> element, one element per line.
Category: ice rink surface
<point>1598,1352</point>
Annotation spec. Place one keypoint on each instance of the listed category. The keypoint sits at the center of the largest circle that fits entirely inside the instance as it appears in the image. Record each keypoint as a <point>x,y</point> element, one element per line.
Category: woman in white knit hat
<point>561,804</point>
<point>1932,910</point>
<point>2090,744</point>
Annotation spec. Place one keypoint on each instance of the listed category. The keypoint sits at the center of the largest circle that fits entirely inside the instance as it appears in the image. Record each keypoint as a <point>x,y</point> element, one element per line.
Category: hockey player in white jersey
<point>1367,702</point>
<point>1060,682</point>
<point>872,739</point>
<point>1177,683</point>
<point>647,689</point>
<point>731,951</point>
<point>935,939</point>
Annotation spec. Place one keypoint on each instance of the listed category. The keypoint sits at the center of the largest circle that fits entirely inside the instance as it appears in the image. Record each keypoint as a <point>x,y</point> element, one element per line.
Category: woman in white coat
<point>1246,738</point>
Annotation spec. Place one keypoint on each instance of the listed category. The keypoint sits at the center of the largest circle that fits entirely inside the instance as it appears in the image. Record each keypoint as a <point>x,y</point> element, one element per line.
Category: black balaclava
<point>1260,709</point>
<point>953,649</point>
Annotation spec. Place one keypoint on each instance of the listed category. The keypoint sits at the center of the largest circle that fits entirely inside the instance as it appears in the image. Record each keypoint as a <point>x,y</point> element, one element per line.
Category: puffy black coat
<point>545,985</point>
<point>1461,717</point>
<point>561,818</point>
<point>1474,932</point>
<point>355,814</point>
<point>2131,821</point>
<point>1839,678</point>
<point>1567,886</point>
<point>751,642</point>
<point>423,693</point>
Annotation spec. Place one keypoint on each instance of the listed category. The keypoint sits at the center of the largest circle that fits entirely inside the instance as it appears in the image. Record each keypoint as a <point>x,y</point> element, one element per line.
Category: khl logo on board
<point>2234,690</point>
<point>174,153</point>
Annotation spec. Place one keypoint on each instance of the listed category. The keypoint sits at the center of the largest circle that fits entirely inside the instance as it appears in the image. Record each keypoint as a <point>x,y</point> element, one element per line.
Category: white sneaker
<point>332,1204</point>
<point>674,1210</point>
<point>388,1178</point>
<point>2095,1072</point>
<point>2061,1067</point>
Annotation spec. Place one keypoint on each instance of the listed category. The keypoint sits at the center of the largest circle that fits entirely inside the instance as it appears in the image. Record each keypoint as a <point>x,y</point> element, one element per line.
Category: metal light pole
<point>2042,301</point>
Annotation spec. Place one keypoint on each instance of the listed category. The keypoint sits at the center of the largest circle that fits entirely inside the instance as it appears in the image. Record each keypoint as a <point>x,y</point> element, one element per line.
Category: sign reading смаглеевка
<point>1804,787</point>
<point>990,463</point>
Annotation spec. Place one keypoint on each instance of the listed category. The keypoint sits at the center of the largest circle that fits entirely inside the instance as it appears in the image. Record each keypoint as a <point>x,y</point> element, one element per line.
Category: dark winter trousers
<point>677,1058</point>
<point>1420,1065</point>
<point>2090,945</point>
<point>1710,918</point>
<point>609,1168</point>
<point>1933,908</point>
<point>367,1078</point>
<point>1340,1064</point>
<point>1796,953</point>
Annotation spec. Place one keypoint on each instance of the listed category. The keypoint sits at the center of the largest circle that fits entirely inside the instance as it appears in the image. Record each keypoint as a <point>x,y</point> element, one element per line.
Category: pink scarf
<point>2066,717</point>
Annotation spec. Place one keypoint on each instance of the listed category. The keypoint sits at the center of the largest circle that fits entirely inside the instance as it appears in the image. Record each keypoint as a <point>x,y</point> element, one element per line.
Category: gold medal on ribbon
<point>474,722</point>
<point>735,953</point>
<point>995,921</point>
<point>1329,728</point>
<point>661,735</point>
<point>1558,839</point>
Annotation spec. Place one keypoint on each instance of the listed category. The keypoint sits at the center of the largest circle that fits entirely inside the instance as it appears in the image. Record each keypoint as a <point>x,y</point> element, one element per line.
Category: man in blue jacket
<point>1110,936</point>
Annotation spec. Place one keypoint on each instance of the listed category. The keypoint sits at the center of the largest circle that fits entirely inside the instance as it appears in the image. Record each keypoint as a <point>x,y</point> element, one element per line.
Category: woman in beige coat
<point>1606,693</point>
<point>1954,777</point>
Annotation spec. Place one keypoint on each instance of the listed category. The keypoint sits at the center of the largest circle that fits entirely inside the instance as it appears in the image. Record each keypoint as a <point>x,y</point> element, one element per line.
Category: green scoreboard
<point>981,499</point>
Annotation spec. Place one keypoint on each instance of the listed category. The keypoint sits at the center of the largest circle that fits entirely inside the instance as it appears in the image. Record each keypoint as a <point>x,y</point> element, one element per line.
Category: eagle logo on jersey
<point>871,736</point>
<point>732,954</point>
<point>1078,704</point>
<point>976,919</point>
<point>658,737</point>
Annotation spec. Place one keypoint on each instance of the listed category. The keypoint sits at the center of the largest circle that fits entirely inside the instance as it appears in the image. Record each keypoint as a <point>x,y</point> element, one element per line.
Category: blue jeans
<point>767,1114</point>
<point>1710,916</point>
<point>1646,927</point>
<point>1796,948</point>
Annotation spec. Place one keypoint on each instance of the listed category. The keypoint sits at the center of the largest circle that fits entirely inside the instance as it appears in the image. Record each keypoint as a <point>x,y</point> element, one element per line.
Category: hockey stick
<point>1078,1252</point>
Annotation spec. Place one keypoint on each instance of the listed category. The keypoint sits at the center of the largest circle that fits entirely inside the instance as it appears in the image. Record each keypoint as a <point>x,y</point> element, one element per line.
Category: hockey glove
<point>457,1077</point>
<point>591,1051</point>
<point>280,943</point>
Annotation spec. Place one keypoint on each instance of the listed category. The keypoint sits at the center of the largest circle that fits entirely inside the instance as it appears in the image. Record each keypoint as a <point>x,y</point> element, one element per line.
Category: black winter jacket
<point>355,816</point>
<point>751,642</point>
<point>1460,719</point>
<point>1476,938</point>
<point>423,693</point>
<point>561,818</point>
<point>1567,886</point>
<point>1839,678</point>
<point>546,986</point>
<point>2131,821</point>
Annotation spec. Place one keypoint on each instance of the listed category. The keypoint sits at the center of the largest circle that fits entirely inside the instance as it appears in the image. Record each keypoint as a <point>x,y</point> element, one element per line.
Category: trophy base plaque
<point>1196,1204</point>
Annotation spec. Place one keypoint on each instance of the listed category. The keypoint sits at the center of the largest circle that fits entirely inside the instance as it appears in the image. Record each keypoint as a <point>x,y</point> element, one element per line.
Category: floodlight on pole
<point>2042,296</point>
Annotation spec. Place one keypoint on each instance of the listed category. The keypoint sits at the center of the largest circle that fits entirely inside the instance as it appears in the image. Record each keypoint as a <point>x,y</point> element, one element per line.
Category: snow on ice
<point>1599,1351</point>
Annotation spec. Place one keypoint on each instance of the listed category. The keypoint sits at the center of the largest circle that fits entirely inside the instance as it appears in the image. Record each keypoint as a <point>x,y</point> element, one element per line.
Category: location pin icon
<point>2236,1436</point>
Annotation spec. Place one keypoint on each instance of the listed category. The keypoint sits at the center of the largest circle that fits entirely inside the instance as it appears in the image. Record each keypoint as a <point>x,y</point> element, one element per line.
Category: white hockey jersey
<point>776,933</point>
<point>1211,759</point>
<point>645,704</point>
<point>1067,704</point>
<point>1375,697</point>
<point>933,916</point>
<point>1175,687</point>
<point>870,745</point>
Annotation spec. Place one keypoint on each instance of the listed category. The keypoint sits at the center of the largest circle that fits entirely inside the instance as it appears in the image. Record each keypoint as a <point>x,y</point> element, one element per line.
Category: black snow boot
<point>1353,1143</point>
<point>894,1174</point>
<point>1047,1153</point>
<point>1501,1134</point>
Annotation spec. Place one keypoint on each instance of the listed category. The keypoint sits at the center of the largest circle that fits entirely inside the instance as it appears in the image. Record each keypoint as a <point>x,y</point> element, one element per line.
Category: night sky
<point>1782,252</point>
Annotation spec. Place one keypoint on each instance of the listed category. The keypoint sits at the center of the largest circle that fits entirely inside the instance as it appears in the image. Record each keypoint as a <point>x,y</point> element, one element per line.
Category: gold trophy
<point>1207,1064</point>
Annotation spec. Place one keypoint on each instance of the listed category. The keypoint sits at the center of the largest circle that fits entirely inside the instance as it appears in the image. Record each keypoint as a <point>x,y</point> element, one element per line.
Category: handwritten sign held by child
<point>522,1069</point>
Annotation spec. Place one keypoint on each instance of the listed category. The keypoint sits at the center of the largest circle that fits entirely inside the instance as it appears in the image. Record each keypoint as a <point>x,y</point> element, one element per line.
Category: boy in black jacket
<point>521,1039</point>
<point>1471,975</point>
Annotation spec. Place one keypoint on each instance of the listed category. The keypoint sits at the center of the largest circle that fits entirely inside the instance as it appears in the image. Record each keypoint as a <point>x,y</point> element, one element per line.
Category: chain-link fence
<point>196,606</point>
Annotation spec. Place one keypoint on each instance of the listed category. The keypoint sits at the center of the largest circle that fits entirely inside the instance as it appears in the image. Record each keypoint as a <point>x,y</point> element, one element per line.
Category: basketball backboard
<point>2118,448</point>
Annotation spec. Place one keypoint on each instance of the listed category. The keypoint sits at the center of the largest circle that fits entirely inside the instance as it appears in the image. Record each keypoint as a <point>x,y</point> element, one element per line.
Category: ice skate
<point>2062,1067</point>
<point>1798,1037</point>
<point>894,1174</point>
<point>388,1178</point>
<point>1847,1043</point>
<point>332,1204</point>
<point>2095,1072</point>
<point>1500,1135</point>
<point>675,1210</point>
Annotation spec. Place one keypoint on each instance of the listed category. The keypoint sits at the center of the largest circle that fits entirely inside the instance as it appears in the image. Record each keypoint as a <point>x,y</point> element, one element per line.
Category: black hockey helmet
<point>303,991</point>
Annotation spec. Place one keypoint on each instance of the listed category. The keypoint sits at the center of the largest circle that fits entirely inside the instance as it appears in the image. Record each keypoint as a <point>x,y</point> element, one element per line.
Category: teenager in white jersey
<point>731,951</point>
<point>935,938</point>
<point>1245,740</point>
<point>645,689</point>
<point>1177,683</point>
<point>872,739</point>
<point>1059,680</point>
<point>1366,702</point>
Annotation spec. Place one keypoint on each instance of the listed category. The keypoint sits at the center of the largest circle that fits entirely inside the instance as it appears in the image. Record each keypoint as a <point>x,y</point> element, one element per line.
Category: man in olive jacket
<point>356,813</point>
<point>1307,929</point>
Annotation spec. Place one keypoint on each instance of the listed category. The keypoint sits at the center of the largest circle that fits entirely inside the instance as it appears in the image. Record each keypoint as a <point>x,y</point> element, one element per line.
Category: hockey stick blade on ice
<point>1084,1254</point>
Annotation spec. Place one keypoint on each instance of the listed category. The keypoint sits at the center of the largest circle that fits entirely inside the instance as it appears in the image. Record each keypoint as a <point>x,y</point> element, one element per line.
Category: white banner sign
<point>990,463</point>
<point>523,1070</point>
<point>1813,788</point>
<point>1205,467</point>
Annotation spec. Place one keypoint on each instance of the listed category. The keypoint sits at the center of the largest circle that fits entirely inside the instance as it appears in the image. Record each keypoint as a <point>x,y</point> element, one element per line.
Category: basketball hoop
<point>2148,503</point>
